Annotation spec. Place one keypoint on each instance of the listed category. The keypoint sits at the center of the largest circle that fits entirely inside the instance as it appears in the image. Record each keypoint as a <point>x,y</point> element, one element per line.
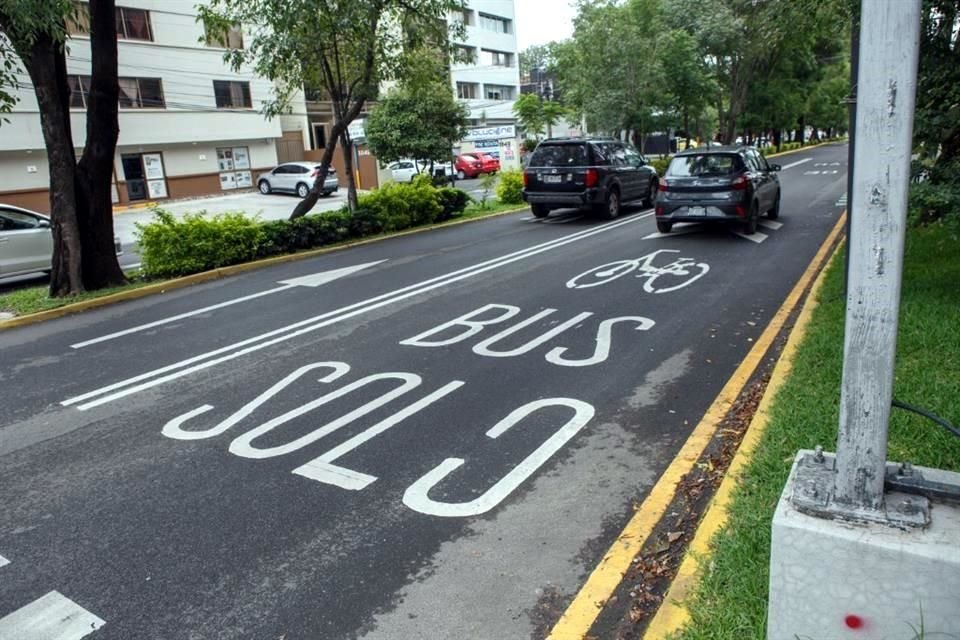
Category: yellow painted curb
<point>589,601</point>
<point>673,613</point>
<point>806,148</point>
<point>222,272</point>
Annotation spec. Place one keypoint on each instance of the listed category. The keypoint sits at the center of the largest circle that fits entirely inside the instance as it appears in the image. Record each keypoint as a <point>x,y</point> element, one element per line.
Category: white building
<point>189,125</point>
<point>491,83</point>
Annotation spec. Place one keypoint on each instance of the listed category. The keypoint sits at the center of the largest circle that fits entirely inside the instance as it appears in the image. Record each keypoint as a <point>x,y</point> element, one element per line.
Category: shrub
<point>510,187</point>
<point>397,206</point>
<point>452,202</point>
<point>930,202</point>
<point>660,165</point>
<point>170,247</point>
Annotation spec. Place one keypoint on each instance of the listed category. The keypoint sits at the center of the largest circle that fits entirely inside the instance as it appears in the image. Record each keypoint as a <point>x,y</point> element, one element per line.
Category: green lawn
<point>731,601</point>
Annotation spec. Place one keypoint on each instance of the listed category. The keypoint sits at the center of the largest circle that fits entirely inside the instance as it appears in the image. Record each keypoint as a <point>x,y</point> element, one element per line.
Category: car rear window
<point>707,164</point>
<point>560,155</point>
<point>330,169</point>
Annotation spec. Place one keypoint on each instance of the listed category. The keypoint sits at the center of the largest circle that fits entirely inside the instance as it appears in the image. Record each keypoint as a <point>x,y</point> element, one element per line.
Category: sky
<point>540,21</point>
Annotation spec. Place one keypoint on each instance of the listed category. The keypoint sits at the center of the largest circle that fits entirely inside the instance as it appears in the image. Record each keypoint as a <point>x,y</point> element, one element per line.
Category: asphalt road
<point>431,445</point>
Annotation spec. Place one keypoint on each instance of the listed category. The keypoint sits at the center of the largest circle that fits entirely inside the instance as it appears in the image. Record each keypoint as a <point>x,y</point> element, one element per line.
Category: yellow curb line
<point>589,601</point>
<point>222,272</point>
<point>806,148</point>
<point>673,613</point>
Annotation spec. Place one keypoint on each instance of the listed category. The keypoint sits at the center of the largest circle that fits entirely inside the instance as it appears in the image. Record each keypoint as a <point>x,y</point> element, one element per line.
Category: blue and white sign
<point>491,133</point>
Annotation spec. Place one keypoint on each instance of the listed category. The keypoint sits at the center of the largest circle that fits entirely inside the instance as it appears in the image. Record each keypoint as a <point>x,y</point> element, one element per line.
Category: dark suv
<point>599,173</point>
<point>719,183</point>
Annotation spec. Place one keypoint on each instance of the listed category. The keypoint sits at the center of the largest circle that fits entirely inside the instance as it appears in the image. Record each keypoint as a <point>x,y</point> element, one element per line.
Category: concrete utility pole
<point>886,95</point>
<point>849,559</point>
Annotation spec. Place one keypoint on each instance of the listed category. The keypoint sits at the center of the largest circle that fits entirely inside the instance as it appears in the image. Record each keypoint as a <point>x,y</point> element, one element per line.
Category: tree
<point>80,193</point>
<point>686,77</point>
<point>344,47</point>
<point>418,119</point>
<point>537,115</point>
<point>937,120</point>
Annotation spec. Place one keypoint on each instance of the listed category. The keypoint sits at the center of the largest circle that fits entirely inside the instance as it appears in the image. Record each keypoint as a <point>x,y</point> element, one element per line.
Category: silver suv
<point>296,177</point>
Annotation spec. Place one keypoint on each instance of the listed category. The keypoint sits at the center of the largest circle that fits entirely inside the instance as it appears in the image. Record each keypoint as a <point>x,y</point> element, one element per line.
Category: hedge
<point>171,247</point>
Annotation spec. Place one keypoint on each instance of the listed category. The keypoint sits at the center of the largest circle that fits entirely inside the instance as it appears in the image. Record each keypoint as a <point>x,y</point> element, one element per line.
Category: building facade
<point>189,125</point>
<point>490,84</point>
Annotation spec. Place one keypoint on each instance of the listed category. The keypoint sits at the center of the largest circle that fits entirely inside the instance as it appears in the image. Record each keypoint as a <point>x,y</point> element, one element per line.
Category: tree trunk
<point>801,130</point>
<point>686,126</point>
<point>346,146</point>
<point>778,138</point>
<point>45,61</point>
<point>100,267</point>
<point>304,206</point>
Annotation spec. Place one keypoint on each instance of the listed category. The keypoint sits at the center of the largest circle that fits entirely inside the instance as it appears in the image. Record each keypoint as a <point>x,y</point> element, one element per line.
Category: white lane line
<point>753,237</point>
<point>325,319</point>
<point>562,220</point>
<point>527,219</point>
<point>3,561</point>
<point>312,280</point>
<point>770,224</point>
<point>52,617</point>
<point>795,164</point>
<point>131,267</point>
<point>678,230</point>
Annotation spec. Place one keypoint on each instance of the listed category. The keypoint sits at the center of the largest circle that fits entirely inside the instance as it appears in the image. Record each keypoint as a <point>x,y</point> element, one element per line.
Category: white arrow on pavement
<point>311,280</point>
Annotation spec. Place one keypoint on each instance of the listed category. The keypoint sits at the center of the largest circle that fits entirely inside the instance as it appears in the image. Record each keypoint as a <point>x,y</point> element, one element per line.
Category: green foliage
<point>401,205</point>
<point>510,187</point>
<point>171,247</point>
<point>452,202</point>
<point>487,183</point>
<point>932,202</point>
<point>660,164</point>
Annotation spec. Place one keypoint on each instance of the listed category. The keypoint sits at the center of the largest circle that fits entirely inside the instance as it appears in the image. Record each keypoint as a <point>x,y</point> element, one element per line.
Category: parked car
<point>599,173</point>
<point>489,163</point>
<point>26,242</point>
<point>296,177</point>
<point>471,165</point>
<point>720,183</point>
<point>406,170</point>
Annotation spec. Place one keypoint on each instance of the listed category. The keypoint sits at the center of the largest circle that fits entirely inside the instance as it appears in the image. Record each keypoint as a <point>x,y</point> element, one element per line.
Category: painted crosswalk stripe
<point>770,224</point>
<point>3,561</point>
<point>753,237</point>
<point>52,617</point>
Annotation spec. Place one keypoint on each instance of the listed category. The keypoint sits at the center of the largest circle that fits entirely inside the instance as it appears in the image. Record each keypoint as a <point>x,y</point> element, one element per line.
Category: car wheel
<point>774,213</point>
<point>651,194</point>
<point>303,190</point>
<point>610,209</point>
<point>750,225</point>
<point>461,175</point>
<point>664,226</point>
<point>540,210</point>
<point>264,187</point>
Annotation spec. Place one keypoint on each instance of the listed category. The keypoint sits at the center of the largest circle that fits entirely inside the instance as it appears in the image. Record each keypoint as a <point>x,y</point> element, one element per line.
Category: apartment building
<point>189,125</point>
<point>490,84</point>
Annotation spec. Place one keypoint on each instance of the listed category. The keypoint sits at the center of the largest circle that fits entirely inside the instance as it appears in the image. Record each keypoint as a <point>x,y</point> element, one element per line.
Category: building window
<point>141,93</point>
<point>465,54</point>
<point>133,24</point>
<point>467,90</point>
<point>494,23</point>
<point>500,92</point>
<point>230,38</point>
<point>78,22</point>
<point>496,58</point>
<point>462,16</point>
<point>79,90</point>
<point>232,95</point>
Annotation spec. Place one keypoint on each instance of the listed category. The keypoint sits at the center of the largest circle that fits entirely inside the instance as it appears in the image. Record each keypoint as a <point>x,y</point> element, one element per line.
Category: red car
<point>473,164</point>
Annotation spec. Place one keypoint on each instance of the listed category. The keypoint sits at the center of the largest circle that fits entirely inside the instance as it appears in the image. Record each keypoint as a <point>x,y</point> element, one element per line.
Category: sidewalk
<point>267,207</point>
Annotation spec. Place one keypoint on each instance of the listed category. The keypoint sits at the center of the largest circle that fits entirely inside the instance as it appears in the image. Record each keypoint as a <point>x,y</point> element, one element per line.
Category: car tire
<point>774,213</point>
<point>540,210</point>
<point>664,226</point>
<point>264,187</point>
<point>610,209</point>
<point>750,224</point>
<point>461,175</point>
<point>303,190</point>
<point>651,194</point>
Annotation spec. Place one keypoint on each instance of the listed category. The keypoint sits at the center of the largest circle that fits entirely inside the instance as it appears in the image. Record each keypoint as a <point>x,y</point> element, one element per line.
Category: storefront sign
<point>491,133</point>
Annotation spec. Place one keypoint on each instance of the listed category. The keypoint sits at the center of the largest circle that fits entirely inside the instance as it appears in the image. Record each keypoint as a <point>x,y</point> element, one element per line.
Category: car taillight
<point>526,180</point>
<point>741,212</point>
<point>591,178</point>
<point>739,183</point>
<point>664,186</point>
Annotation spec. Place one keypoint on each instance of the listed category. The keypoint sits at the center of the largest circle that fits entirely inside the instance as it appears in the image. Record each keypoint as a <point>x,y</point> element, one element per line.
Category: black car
<point>719,183</point>
<point>599,173</point>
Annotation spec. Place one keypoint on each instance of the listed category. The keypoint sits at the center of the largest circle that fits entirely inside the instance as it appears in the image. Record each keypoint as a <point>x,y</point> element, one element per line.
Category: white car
<point>296,177</point>
<point>406,170</point>
<point>26,242</point>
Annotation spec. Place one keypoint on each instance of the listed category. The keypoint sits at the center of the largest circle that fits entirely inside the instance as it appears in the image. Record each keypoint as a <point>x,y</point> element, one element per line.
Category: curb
<point>223,272</point>
<point>580,615</point>
<point>806,148</point>
<point>673,614</point>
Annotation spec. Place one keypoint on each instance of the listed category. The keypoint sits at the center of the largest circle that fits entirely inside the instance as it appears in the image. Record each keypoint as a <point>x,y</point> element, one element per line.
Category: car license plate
<point>697,211</point>
<point>553,179</point>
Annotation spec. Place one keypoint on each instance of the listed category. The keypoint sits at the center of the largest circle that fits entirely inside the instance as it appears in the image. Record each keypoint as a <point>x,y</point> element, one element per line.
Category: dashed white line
<point>770,224</point>
<point>795,164</point>
<point>52,617</point>
<point>3,561</point>
<point>753,237</point>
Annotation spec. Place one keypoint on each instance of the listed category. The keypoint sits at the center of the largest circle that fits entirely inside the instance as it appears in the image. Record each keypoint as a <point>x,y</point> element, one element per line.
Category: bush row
<point>171,247</point>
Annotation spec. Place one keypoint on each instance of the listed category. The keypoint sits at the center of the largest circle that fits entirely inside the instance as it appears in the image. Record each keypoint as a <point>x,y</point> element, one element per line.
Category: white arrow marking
<point>312,280</point>
<point>753,237</point>
<point>52,616</point>
<point>678,230</point>
<point>3,561</point>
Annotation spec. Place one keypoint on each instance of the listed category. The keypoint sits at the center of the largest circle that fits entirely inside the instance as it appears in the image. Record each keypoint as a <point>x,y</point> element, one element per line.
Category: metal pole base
<point>871,576</point>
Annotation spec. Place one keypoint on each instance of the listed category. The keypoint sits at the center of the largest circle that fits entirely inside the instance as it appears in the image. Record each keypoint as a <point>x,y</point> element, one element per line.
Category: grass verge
<point>34,299</point>
<point>731,599</point>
